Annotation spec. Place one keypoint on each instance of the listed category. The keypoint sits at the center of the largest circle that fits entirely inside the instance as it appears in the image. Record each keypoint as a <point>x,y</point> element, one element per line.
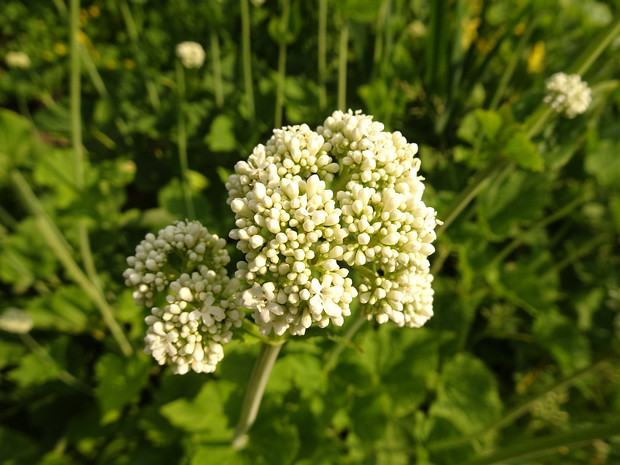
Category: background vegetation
<point>519,363</point>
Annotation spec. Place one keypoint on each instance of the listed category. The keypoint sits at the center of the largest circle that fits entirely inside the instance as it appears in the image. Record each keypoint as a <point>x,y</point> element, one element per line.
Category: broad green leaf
<point>68,310</point>
<point>11,352</point>
<point>603,163</point>
<point>37,368</point>
<point>508,202</point>
<point>272,440</point>
<point>221,137</point>
<point>16,139</point>
<point>218,455</point>
<point>301,370</point>
<point>467,394</point>
<point>55,168</point>
<point>204,413</point>
<point>558,334</point>
<point>17,447</point>
<point>523,152</point>
<point>120,381</point>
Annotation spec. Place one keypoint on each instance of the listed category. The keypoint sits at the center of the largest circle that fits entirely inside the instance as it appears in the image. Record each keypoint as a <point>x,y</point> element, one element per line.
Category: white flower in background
<point>15,321</point>
<point>191,54</point>
<point>182,272</point>
<point>312,205</point>
<point>17,60</point>
<point>567,94</point>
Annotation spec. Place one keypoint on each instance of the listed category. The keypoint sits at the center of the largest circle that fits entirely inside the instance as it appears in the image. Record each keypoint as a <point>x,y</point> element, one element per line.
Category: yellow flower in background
<point>519,29</point>
<point>110,64</point>
<point>129,63</point>
<point>94,11</point>
<point>470,32</point>
<point>60,49</point>
<point>536,58</point>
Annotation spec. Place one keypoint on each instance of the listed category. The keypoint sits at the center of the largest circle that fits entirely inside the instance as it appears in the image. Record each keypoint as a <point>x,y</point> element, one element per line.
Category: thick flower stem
<point>256,387</point>
<point>247,57</point>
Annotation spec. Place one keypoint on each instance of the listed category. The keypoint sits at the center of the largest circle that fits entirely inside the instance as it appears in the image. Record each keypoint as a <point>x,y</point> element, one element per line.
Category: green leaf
<point>560,335</point>
<point>56,169</point>
<point>16,447</point>
<point>67,310</point>
<point>217,455</point>
<point>522,151</point>
<point>603,163</point>
<point>204,413</point>
<point>221,136</point>
<point>467,394</point>
<point>120,381</point>
<point>16,136</point>
<point>302,370</point>
<point>509,201</point>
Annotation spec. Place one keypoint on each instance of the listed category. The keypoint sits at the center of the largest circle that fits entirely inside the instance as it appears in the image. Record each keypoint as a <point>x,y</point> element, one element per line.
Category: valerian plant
<point>323,217</point>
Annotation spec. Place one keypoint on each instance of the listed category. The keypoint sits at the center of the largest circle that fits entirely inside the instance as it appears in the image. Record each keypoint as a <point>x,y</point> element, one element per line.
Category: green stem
<point>592,244</point>
<point>528,449</point>
<point>281,64</point>
<point>342,66</point>
<point>247,57</point>
<point>62,249</point>
<point>46,358</point>
<point>592,52</point>
<point>322,53</point>
<point>182,143</point>
<point>132,31</point>
<point>348,336</point>
<point>218,87</point>
<point>466,196</point>
<point>256,387</point>
<point>512,64</point>
<point>76,139</point>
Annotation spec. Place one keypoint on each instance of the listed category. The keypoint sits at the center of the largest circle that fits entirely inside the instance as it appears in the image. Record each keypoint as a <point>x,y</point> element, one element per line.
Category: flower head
<point>567,94</point>
<point>17,60</point>
<point>15,321</point>
<point>311,206</point>
<point>191,54</point>
<point>181,274</point>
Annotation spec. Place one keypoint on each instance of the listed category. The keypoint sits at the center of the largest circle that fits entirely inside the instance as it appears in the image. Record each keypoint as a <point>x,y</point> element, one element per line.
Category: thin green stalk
<point>342,66</point>
<point>526,450</point>
<point>182,143</point>
<point>520,410</point>
<point>512,64</point>
<point>592,52</point>
<point>44,356</point>
<point>218,87</point>
<point>470,192</point>
<point>247,57</point>
<point>322,54</point>
<point>76,139</point>
<point>132,31</point>
<point>348,336</point>
<point>582,251</point>
<point>286,7</point>
<point>256,387</point>
<point>62,249</point>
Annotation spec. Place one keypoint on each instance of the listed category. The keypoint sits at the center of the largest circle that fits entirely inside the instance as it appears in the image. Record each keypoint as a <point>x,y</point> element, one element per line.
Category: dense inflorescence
<point>311,206</point>
<point>567,94</point>
<point>182,272</point>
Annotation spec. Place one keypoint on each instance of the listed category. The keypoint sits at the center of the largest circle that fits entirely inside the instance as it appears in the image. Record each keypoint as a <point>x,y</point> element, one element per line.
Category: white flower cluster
<point>567,94</point>
<point>191,54</point>
<point>17,60</point>
<point>311,205</point>
<point>15,321</point>
<point>182,270</point>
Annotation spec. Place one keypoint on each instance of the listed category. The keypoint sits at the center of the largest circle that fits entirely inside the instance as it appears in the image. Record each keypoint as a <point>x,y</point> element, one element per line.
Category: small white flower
<point>17,60</point>
<point>15,321</point>
<point>567,94</point>
<point>191,54</point>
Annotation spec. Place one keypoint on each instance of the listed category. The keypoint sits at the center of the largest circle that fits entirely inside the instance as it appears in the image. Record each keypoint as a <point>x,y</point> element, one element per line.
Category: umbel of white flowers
<point>181,275</point>
<point>567,94</point>
<point>311,206</point>
<point>191,54</point>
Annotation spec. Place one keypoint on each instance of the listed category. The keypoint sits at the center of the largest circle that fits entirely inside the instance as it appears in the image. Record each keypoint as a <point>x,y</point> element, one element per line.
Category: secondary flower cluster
<point>181,274</point>
<point>191,54</point>
<point>312,205</point>
<point>567,94</point>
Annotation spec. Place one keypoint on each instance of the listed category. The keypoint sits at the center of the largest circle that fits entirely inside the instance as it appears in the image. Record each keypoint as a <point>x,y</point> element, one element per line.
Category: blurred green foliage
<point>521,356</point>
